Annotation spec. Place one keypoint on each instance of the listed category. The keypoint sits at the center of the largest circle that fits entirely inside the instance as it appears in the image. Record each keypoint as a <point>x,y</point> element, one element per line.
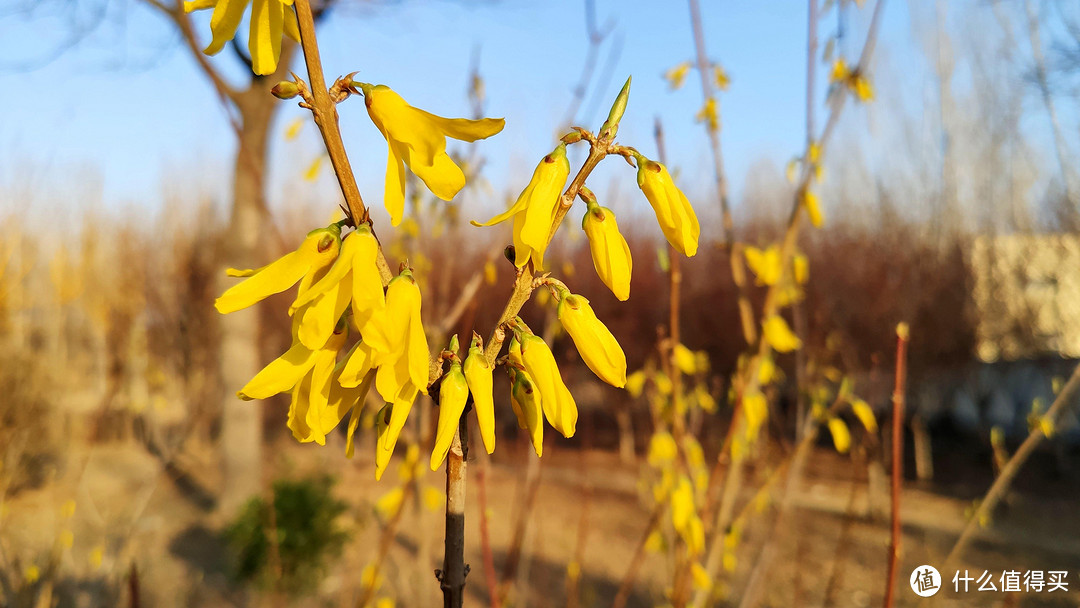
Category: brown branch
<point>897,459</point>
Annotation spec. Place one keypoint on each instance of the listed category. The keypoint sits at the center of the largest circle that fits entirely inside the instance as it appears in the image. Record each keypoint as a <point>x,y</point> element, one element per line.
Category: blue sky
<point>153,122</point>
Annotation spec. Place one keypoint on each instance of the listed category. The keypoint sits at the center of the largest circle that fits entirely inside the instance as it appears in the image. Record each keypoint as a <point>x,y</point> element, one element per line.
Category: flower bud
<point>610,252</point>
<point>286,89</point>
<point>673,211</point>
<point>478,376</point>
<point>598,348</point>
<point>558,404</point>
<point>453,394</point>
<point>611,125</point>
<point>530,403</point>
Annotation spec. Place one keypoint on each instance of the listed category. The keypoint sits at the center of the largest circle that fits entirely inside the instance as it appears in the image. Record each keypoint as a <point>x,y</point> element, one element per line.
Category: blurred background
<point>133,170</point>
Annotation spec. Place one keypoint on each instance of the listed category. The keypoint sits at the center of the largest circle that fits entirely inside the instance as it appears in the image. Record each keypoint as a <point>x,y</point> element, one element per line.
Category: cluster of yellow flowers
<point>854,80</point>
<point>345,288</point>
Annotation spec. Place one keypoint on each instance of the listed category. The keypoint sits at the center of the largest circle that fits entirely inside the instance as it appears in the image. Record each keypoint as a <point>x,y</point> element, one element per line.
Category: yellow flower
<point>528,404</point>
<point>453,393</point>
<point>705,399</point>
<point>860,85</point>
<point>677,75</point>
<point>662,449</point>
<point>700,576</point>
<point>31,574</point>
<point>597,347</point>
<point>269,20</point>
<point>684,516</point>
<point>390,422</point>
<point>287,371</point>
<point>418,139</point>
<point>673,211</point>
<point>317,252</point>
<point>311,416</point>
<point>721,78</point>
<point>405,361</point>
<point>558,404</point>
<point>779,335</point>
<point>478,376</point>
<point>353,277</point>
<point>800,268</point>
<point>765,264</point>
<point>709,114</point>
<point>756,410</point>
<point>610,253</point>
<point>840,435</point>
<point>840,71</point>
<point>535,208</point>
<point>635,383</point>
<point>685,359</point>
<point>865,415</point>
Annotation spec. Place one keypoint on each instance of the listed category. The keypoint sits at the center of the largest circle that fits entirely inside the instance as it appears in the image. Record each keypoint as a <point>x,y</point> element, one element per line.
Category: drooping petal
<point>319,318</point>
<point>223,23</point>
<point>357,363</point>
<point>394,188</point>
<point>279,375</point>
<point>440,174</point>
<point>319,399</point>
<point>478,375</point>
<point>453,393</point>
<point>319,247</point>
<point>388,437</point>
<point>290,26</point>
<point>465,129</point>
<point>264,37</point>
<point>354,418</point>
<point>558,404</point>
<point>298,409</point>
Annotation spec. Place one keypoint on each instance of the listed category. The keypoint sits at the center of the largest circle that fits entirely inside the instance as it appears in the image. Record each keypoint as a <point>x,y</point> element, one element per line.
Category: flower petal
<point>279,375</point>
<point>465,129</point>
<point>264,37</point>
<point>223,23</point>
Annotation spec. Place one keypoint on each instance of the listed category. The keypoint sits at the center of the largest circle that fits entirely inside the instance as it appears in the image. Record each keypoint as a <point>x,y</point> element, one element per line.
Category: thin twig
<point>1001,485</point>
<point>897,459</point>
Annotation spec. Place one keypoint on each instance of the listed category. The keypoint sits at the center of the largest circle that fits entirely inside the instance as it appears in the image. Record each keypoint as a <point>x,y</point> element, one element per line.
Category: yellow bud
<point>453,393</point>
<point>684,359</point>
<point>756,411</point>
<point>677,75</point>
<point>840,435</point>
<point>765,264</point>
<point>865,415</point>
<point>779,335</point>
<point>813,208</point>
<point>673,211</point>
<point>286,89</point>
<point>478,375</point>
<point>635,383</point>
<point>840,71</point>
<point>595,343</point>
<point>558,404</point>
<point>610,252</point>
<point>662,449</point>
<point>721,78</point>
<point>530,404</point>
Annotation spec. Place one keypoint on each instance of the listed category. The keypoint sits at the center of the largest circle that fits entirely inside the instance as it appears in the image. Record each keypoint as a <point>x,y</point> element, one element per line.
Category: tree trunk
<point>246,246</point>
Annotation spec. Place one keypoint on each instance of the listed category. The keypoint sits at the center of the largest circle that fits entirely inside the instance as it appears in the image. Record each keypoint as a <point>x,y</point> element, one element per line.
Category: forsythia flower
<point>403,366</point>
<point>865,414</point>
<point>527,403</point>
<point>709,114</point>
<point>354,275</point>
<point>269,20</point>
<point>756,410</point>
<point>418,139</point>
<point>677,75</point>
<point>610,253</point>
<point>319,402</point>
<point>597,347</point>
<point>862,88</point>
<point>840,435</point>
<point>765,264</point>
<point>478,376</point>
<point>317,252</point>
<point>721,78</point>
<point>779,335</point>
<point>840,71</point>
<point>673,211</point>
<point>535,208</point>
<point>557,402</point>
<point>635,383</point>
<point>684,516</point>
<point>685,359</point>
<point>390,422</point>
<point>813,208</point>
<point>453,393</point>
